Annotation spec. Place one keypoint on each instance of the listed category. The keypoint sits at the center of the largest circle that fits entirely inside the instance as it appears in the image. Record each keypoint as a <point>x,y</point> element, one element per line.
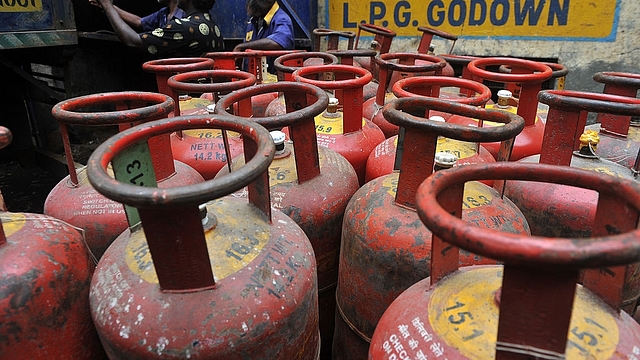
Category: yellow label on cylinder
<point>464,313</point>
<point>194,106</point>
<point>12,222</point>
<point>237,240</point>
<point>475,194</point>
<point>330,125</point>
<point>461,149</point>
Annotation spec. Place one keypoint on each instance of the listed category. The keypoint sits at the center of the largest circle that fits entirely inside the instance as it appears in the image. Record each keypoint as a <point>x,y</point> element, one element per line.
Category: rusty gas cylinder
<point>392,67</point>
<point>384,249</point>
<point>205,275</point>
<point>348,57</point>
<point>344,129</point>
<point>563,134</point>
<point>331,43</point>
<point>256,64</point>
<point>532,307</point>
<point>531,75</point>
<point>384,158</point>
<point>166,68</point>
<point>205,150</point>
<point>558,77</point>
<point>73,199</point>
<point>381,43</point>
<point>45,271</point>
<point>619,135</point>
<point>310,183</point>
<point>425,45</point>
<point>286,65</point>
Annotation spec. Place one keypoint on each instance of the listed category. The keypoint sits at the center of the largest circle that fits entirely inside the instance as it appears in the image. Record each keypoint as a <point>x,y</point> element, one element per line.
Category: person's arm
<point>125,32</point>
<point>132,19</point>
<point>260,44</point>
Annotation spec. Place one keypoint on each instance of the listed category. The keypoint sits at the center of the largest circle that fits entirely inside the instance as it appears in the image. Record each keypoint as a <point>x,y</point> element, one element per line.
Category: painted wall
<point>587,36</point>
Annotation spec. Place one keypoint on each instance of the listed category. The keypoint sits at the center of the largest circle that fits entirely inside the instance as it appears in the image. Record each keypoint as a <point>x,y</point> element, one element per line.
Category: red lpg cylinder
<point>332,42</point>
<point>393,67</point>
<point>381,43</point>
<point>286,65</point>
<point>531,75</point>
<point>384,249</point>
<point>425,47</point>
<point>228,279</point>
<point>256,61</point>
<point>346,131</point>
<point>45,271</point>
<point>558,77</point>
<point>382,160</point>
<point>564,126</point>
<point>530,308</point>
<point>619,135</point>
<point>206,149</point>
<point>310,183</point>
<point>73,199</point>
<point>166,68</point>
<point>347,57</point>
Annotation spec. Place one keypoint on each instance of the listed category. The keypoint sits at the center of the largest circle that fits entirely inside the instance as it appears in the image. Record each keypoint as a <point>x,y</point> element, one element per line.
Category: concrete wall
<point>587,36</point>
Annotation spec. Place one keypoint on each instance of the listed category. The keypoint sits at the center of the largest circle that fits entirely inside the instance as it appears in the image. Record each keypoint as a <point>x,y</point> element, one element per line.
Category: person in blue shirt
<point>192,35</point>
<point>152,21</point>
<point>269,28</point>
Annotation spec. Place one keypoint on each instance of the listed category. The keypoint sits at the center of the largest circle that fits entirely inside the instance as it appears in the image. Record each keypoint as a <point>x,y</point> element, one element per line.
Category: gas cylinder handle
<point>346,56</point>
<point>299,118</point>
<point>165,68</point>
<point>427,37</point>
<point>194,194</point>
<point>565,123</point>
<point>333,38</point>
<point>557,70</point>
<point>421,135</point>
<point>546,269</point>
<point>529,74</point>
<point>430,86</point>
<point>617,83</point>
<point>382,35</point>
<point>619,79</point>
<point>131,107</point>
<point>403,62</point>
<point>406,62</point>
<point>285,71</point>
<point>537,72</point>
<point>222,81</point>
<point>171,217</point>
<point>603,250</point>
<point>5,137</point>
<point>349,85</point>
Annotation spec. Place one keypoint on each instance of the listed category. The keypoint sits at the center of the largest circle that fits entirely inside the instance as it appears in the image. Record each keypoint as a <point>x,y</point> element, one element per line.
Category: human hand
<point>95,3</point>
<point>239,48</point>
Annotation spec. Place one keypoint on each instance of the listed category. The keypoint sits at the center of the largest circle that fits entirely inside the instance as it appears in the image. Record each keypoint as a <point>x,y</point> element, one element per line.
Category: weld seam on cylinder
<point>350,325</point>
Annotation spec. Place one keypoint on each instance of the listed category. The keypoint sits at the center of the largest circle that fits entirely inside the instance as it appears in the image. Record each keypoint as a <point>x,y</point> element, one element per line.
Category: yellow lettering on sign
<point>592,19</point>
<point>20,5</point>
<point>463,312</point>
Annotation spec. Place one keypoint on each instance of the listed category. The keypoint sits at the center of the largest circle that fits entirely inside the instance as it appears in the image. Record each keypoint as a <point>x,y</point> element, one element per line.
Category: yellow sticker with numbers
<point>330,125</point>
<point>463,312</point>
<point>461,149</point>
<point>232,244</point>
<point>12,222</point>
<point>476,194</point>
